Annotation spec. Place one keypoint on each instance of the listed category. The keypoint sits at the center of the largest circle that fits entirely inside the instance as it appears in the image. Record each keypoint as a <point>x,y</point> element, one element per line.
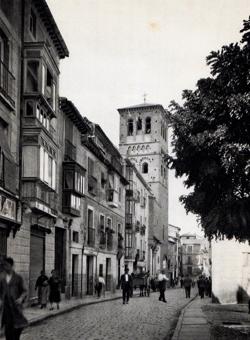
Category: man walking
<point>162,285</point>
<point>187,283</point>
<point>126,284</point>
<point>12,296</point>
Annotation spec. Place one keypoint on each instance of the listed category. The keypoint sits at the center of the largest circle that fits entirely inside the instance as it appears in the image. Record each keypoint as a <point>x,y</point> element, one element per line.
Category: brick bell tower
<point>144,141</point>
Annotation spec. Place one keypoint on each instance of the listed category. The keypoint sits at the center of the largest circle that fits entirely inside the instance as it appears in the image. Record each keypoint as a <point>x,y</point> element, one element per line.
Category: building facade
<point>143,140</point>
<point>173,262</point>
<point>195,255</point>
<point>10,79</point>
<point>232,258</point>
<point>136,221</point>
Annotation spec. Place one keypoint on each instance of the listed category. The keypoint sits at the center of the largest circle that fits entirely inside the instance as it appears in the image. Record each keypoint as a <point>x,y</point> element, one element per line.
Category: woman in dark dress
<point>54,294</point>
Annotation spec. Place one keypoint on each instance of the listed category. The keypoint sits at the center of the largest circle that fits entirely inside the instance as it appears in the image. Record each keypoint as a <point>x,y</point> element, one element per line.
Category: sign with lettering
<point>7,208</point>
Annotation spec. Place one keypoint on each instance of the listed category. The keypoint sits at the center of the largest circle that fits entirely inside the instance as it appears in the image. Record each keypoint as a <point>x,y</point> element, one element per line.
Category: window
<point>119,228</point>
<point>130,127</point>
<point>90,218</point>
<point>120,194</point>
<point>189,260</point>
<point>148,125</point>
<point>128,240</point>
<point>100,269</point>
<point>29,109</point>
<point>189,249</point>
<point>91,167</point>
<point>139,124</point>
<point>47,168</point>
<point>103,180</point>
<point>102,223</point>
<point>145,168</point>
<point>33,23</point>
<point>75,236</point>
<point>32,76</point>
<point>109,223</point>
<point>75,202</point>
<point>79,182</point>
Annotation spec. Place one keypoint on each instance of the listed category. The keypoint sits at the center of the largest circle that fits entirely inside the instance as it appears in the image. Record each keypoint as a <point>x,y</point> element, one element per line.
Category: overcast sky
<point>121,49</point>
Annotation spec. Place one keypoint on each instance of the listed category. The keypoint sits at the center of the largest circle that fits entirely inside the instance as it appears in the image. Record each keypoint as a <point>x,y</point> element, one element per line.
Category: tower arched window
<point>130,127</point>
<point>145,168</point>
<point>148,125</point>
<point>139,124</point>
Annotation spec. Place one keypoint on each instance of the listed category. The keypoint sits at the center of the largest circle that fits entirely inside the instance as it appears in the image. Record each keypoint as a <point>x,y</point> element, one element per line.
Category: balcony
<point>112,198</point>
<point>39,198</point>
<point>143,230</point>
<point>129,253</point>
<point>110,241</point>
<point>120,241</point>
<point>102,239</point>
<point>70,151</point>
<point>7,84</point>
<point>71,204</point>
<point>92,185</point>
<point>91,237</point>
<point>131,195</point>
<point>129,221</point>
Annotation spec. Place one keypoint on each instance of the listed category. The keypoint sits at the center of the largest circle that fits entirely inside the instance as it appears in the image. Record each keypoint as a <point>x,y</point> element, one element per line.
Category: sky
<point>121,49</point>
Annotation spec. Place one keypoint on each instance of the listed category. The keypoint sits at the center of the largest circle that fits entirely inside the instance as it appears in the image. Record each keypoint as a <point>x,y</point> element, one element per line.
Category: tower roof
<point>141,106</point>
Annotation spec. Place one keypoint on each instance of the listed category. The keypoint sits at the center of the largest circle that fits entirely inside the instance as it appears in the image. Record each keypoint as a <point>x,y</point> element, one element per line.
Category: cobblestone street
<point>143,318</point>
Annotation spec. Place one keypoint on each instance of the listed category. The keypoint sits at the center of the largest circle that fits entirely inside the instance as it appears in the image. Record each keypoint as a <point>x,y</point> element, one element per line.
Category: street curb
<point>40,319</point>
<point>179,323</point>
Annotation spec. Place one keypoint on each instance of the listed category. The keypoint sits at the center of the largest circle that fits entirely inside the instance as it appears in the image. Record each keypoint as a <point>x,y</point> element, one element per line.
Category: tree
<point>211,142</point>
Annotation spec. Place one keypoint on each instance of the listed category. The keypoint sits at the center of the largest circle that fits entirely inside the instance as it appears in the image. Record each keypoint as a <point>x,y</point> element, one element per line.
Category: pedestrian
<point>181,281</point>
<point>126,284</point>
<point>148,284</point>
<point>162,279</point>
<point>42,286</point>
<point>54,290</point>
<point>187,283</point>
<point>100,285</point>
<point>202,285</point>
<point>12,296</point>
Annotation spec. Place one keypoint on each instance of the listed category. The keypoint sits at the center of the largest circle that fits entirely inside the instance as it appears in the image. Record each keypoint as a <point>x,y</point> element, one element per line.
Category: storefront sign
<point>7,208</point>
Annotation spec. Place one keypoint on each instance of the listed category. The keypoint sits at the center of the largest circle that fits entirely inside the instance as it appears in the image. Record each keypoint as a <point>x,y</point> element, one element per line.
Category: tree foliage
<point>211,142</point>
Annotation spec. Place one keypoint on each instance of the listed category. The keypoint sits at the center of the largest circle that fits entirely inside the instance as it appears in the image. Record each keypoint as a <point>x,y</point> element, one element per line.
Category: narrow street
<point>143,318</point>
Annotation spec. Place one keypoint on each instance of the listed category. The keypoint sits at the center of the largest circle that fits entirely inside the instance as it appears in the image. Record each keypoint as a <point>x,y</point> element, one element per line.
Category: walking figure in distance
<point>126,283</point>
<point>187,283</point>
<point>54,293</point>
<point>42,285</point>
<point>12,296</point>
<point>162,278</point>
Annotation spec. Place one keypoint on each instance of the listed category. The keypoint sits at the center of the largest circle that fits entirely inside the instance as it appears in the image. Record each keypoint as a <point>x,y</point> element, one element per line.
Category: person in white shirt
<point>162,278</point>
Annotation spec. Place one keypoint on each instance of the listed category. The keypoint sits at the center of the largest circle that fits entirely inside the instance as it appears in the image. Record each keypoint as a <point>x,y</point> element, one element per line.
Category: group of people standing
<point>204,286</point>
<point>48,289</point>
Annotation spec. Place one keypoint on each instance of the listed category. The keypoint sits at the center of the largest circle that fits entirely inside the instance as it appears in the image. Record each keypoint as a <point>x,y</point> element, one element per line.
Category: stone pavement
<point>192,323</point>
<point>143,318</point>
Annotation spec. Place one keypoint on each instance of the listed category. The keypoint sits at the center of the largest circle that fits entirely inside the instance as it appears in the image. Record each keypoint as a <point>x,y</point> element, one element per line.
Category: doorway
<point>60,255</point>
<point>75,275</point>
<point>90,274</point>
<point>108,273</point>
<point>37,257</point>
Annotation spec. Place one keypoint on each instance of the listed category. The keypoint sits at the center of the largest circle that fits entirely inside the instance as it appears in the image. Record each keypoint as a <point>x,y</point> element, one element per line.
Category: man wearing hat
<point>126,285</point>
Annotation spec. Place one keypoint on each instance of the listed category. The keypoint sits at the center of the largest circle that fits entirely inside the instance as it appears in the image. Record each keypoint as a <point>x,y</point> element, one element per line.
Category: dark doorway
<point>75,275</point>
<point>3,242</point>
<point>108,273</point>
<point>37,257</point>
<point>60,255</point>
<point>90,274</point>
